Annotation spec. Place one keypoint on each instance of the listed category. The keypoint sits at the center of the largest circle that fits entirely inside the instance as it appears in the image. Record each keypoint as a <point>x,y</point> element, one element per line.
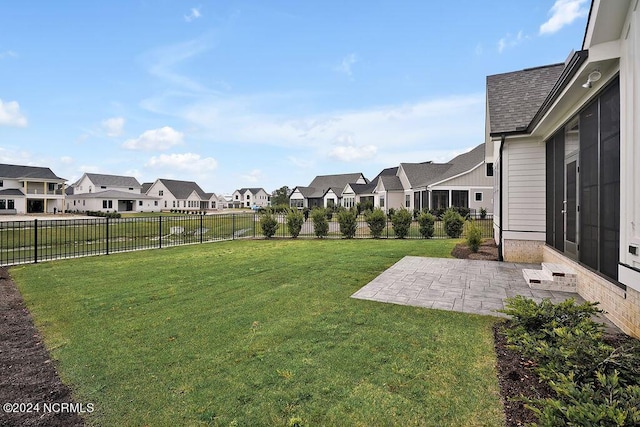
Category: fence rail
<point>43,240</point>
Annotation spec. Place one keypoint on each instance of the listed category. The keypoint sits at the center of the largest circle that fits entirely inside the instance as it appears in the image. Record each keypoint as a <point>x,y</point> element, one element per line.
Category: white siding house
<point>565,140</point>
<point>109,193</point>
<point>30,189</point>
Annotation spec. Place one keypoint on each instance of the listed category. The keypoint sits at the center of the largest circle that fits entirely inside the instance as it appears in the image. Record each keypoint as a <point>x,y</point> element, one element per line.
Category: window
<point>382,201</point>
<point>440,199</point>
<point>489,169</point>
<point>130,188</point>
<point>331,203</point>
<point>174,204</point>
<point>161,193</point>
<point>104,187</point>
<point>237,197</point>
<point>3,204</point>
<point>1,183</point>
<point>139,202</point>
<point>460,198</point>
<point>297,203</point>
<point>165,203</point>
<point>155,203</point>
<point>478,197</point>
<point>248,197</point>
<point>11,204</point>
<point>104,204</point>
<point>407,201</point>
<point>52,186</point>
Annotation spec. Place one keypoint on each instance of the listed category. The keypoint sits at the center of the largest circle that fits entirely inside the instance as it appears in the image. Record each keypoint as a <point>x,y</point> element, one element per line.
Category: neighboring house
<point>324,190</point>
<point>465,181</point>
<point>225,201</point>
<point>30,189</point>
<point>249,197</point>
<point>109,193</point>
<point>180,195</point>
<point>565,141</point>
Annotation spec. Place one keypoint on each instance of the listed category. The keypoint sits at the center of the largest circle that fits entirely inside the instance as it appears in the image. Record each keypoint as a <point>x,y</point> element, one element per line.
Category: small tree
<point>320,223</point>
<point>426,221</point>
<point>453,223</point>
<point>401,221</point>
<point>269,225</point>
<point>295,219</point>
<point>377,221</point>
<point>474,235</point>
<point>348,223</point>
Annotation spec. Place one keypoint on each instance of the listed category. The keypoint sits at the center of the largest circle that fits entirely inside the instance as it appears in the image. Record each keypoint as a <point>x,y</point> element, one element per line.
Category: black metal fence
<point>42,240</point>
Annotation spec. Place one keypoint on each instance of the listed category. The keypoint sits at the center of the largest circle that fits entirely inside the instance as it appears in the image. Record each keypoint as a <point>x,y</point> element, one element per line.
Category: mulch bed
<point>27,374</point>
<point>488,251</point>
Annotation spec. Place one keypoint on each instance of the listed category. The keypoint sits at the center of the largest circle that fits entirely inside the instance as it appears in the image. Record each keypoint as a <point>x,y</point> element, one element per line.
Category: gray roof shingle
<point>34,172</point>
<point>113,180</point>
<point>463,163</point>
<point>182,189</point>
<point>514,98</point>
<point>322,183</point>
<point>422,174</point>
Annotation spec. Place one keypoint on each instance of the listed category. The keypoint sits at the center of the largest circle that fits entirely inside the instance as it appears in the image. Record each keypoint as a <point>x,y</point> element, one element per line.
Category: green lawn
<point>260,333</point>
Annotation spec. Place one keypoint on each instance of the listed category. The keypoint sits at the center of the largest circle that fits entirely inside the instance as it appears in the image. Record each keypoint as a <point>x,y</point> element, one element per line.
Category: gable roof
<point>113,194</point>
<point>391,182</point>
<point>18,172</point>
<point>322,183</point>
<point>146,186</point>
<point>182,189</point>
<point>463,163</point>
<point>253,191</point>
<point>363,188</point>
<point>112,180</point>
<point>514,98</point>
<point>422,174</point>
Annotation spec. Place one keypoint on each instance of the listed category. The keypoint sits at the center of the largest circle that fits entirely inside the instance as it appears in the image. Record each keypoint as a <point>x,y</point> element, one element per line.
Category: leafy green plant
<point>320,223</point>
<point>295,219</point>
<point>483,213</point>
<point>474,235</point>
<point>426,222</point>
<point>377,221</point>
<point>401,222</point>
<point>269,225</point>
<point>348,223</point>
<point>453,223</point>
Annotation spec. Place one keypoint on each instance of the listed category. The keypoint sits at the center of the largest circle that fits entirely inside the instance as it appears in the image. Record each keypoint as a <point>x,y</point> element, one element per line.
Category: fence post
<point>233,226</point>
<point>107,234</point>
<point>201,226</point>
<point>387,227</point>
<point>35,241</point>
<point>254,225</point>
<point>160,231</point>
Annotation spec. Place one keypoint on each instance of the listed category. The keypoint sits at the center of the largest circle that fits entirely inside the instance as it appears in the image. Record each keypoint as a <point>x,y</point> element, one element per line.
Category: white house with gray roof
<point>181,196</point>
<point>109,193</point>
<point>565,139</point>
<point>30,189</point>
<point>250,197</point>
<point>324,190</point>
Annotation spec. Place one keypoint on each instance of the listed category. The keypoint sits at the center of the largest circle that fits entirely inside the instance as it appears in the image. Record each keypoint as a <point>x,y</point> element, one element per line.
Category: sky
<point>254,93</point>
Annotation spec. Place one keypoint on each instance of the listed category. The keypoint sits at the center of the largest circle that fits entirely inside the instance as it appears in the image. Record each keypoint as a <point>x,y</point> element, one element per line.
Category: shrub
<point>269,225</point>
<point>474,235</point>
<point>483,213</point>
<point>305,212</point>
<point>320,223</point>
<point>453,223</point>
<point>401,222</point>
<point>348,223</point>
<point>391,212</point>
<point>364,207</point>
<point>329,213</point>
<point>377,221</point>
<point>426,221</point>
<point>295,219</point>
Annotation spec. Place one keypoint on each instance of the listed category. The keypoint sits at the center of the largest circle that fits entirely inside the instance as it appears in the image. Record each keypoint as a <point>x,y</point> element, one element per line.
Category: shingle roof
<point>422,174</point>
<point>363,188</point>
<point>514,98</point>
<point>18,171</point>
<point>112,180</point>
<point>11,192</point>
<point>391,182</point>
<point>146,186</point>
<point>322,183</point>
<point>254,191</point>
<point>182,189</point>
<point>463,163</point>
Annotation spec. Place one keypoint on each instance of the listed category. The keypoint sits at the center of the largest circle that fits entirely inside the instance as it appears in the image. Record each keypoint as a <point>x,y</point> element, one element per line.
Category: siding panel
<point>526,186</point>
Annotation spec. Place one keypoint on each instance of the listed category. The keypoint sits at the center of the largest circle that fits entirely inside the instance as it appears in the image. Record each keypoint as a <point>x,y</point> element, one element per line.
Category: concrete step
<point>552,277</point>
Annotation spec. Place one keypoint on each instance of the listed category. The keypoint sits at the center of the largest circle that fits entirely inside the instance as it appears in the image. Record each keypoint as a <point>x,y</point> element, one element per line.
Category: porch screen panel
<point>416,200</point>
<point>610,180</point>
<point>589,181</point>
<point>425,200</point>
<point>460,198</point>
<point>555,191</point>
<point>440,199</point>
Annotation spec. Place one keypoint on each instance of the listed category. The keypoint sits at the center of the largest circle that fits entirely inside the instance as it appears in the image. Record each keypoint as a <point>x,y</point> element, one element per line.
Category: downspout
<point>500,246</point>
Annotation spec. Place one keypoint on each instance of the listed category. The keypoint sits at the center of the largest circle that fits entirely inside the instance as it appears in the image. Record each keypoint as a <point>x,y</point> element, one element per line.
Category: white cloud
<point>155,139</point>
<point>183,162</point>
<point>194,14</point>
<point>10,114</point>
<point>510,41</point>
<point>66,160</point>
<point>301,163</point>
<point>8,54</point>
<point>346,64</point>
<point>352,153</point>
<point>253,176</point>
<point>114,126</point>
<point>564,12</point>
